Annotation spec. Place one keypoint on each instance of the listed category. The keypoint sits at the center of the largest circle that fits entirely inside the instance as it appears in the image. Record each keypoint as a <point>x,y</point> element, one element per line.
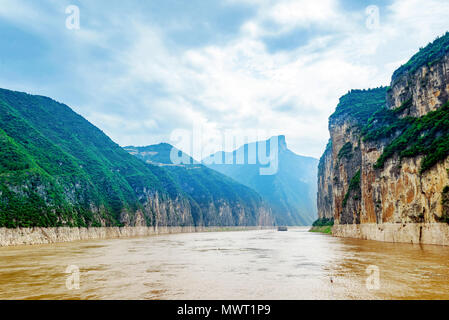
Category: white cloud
<point>149,87</point>
<point>242,85</point>
<point>303,12</point>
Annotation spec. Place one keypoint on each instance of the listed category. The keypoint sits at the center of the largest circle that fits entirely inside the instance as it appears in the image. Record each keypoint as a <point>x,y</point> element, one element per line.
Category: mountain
<point>57,169</point>
<point>385,173</point>
<point>205,186</point>
<point>290,191</point>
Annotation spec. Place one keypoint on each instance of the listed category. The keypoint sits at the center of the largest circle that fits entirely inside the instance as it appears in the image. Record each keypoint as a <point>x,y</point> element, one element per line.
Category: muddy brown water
<point>262,264</point>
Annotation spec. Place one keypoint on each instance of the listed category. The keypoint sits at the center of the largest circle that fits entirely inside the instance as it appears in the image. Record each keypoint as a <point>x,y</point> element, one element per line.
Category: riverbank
<point>423,233</point>
<point>322,229</point>
<point>34,236</point>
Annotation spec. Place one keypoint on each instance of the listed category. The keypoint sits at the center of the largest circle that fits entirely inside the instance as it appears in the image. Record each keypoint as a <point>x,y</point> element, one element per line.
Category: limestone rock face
<point>325,185</point>
<point>162,211</point>
<point>397,194</point>
<point>428,88</point>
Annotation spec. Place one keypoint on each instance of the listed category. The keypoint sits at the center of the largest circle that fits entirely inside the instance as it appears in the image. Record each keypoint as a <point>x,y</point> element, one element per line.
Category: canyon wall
<point>377,186</point>
<point>163,211</point>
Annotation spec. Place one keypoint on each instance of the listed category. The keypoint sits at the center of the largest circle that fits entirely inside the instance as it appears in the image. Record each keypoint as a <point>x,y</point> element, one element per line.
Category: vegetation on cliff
<point>323,229</point>
<point>57,169</point>
<point>428,55</point>
<point>397,133</point>
<point>410,137</point>
<point>360,104</point>
<point>354,186</point>
<point>323,222</point>
<point>384,124</point>
<point>445,204</point>
<point>427,136</point>
<point>345,151</point>
<point>322,225</point>
<point>204,186</point>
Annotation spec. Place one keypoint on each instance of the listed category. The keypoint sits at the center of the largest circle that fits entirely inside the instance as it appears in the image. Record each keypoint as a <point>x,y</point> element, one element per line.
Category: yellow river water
<point>262,264</point>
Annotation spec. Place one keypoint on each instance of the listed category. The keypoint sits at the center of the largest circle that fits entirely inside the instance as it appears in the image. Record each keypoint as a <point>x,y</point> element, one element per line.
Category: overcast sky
<point>141,69</point>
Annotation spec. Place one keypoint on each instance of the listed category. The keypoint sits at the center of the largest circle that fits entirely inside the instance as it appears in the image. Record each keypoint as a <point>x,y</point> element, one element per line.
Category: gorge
<point>385,172</point>
<point>58,170</point>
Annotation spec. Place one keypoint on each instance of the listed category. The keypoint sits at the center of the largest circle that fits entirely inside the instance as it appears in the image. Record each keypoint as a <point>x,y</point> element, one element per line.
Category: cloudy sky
<point>140,70</point>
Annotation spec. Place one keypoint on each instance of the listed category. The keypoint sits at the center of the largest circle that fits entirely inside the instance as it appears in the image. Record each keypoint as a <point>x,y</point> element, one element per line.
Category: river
<point>261,264</point>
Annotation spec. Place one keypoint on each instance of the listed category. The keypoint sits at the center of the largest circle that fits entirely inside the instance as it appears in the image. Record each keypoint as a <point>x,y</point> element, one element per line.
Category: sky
<point>143,71</point>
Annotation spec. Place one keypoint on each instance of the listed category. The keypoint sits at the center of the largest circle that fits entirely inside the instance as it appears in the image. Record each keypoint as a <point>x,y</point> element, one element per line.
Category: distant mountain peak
<point>282,144</point>
<point>290,189</point>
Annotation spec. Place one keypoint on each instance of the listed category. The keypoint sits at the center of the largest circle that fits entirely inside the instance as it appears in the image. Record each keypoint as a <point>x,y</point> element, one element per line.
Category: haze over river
<point>262,264</point>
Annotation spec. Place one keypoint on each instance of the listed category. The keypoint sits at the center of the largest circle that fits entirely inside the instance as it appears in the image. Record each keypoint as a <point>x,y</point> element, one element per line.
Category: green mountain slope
<point>429,55</point>
<point>205,186</point>
<point>291,192</point>
<point>360,104</point>
<point>57,169</point>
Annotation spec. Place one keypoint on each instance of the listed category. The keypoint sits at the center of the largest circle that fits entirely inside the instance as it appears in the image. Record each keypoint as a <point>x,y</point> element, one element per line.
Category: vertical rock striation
<point>385,171</point>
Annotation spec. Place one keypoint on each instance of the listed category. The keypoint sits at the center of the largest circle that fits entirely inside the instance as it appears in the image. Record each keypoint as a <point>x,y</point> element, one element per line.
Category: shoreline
<point>415,233</point>
<point>39,235</point>
<point>322,229</point>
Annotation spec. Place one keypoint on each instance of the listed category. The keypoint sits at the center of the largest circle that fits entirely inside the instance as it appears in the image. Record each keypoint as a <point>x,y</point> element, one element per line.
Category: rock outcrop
<point>385,171</point>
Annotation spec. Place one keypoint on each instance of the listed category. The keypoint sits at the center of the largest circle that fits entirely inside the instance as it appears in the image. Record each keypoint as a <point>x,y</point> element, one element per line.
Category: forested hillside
<point>57,169</point>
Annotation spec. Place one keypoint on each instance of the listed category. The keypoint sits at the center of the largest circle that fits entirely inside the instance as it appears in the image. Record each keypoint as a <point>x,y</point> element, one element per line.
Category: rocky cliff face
<point>373,175</point>
<point>325,199</point>
<point>182,212</point>
<point>339,195</point>
<point>159,210</point>
<point>427,87</point>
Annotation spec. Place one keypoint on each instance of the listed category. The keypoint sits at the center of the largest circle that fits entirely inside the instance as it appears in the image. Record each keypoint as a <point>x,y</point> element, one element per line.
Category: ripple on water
<point>228,265</point>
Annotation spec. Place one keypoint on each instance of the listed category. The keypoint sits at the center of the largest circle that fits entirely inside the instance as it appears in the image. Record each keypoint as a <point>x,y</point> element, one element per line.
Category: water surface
<point>263,264</point>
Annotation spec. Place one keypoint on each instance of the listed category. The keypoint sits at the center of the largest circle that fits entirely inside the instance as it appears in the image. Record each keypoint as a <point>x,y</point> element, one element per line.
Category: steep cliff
<point>384,174</point>
<point>57,169</point>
